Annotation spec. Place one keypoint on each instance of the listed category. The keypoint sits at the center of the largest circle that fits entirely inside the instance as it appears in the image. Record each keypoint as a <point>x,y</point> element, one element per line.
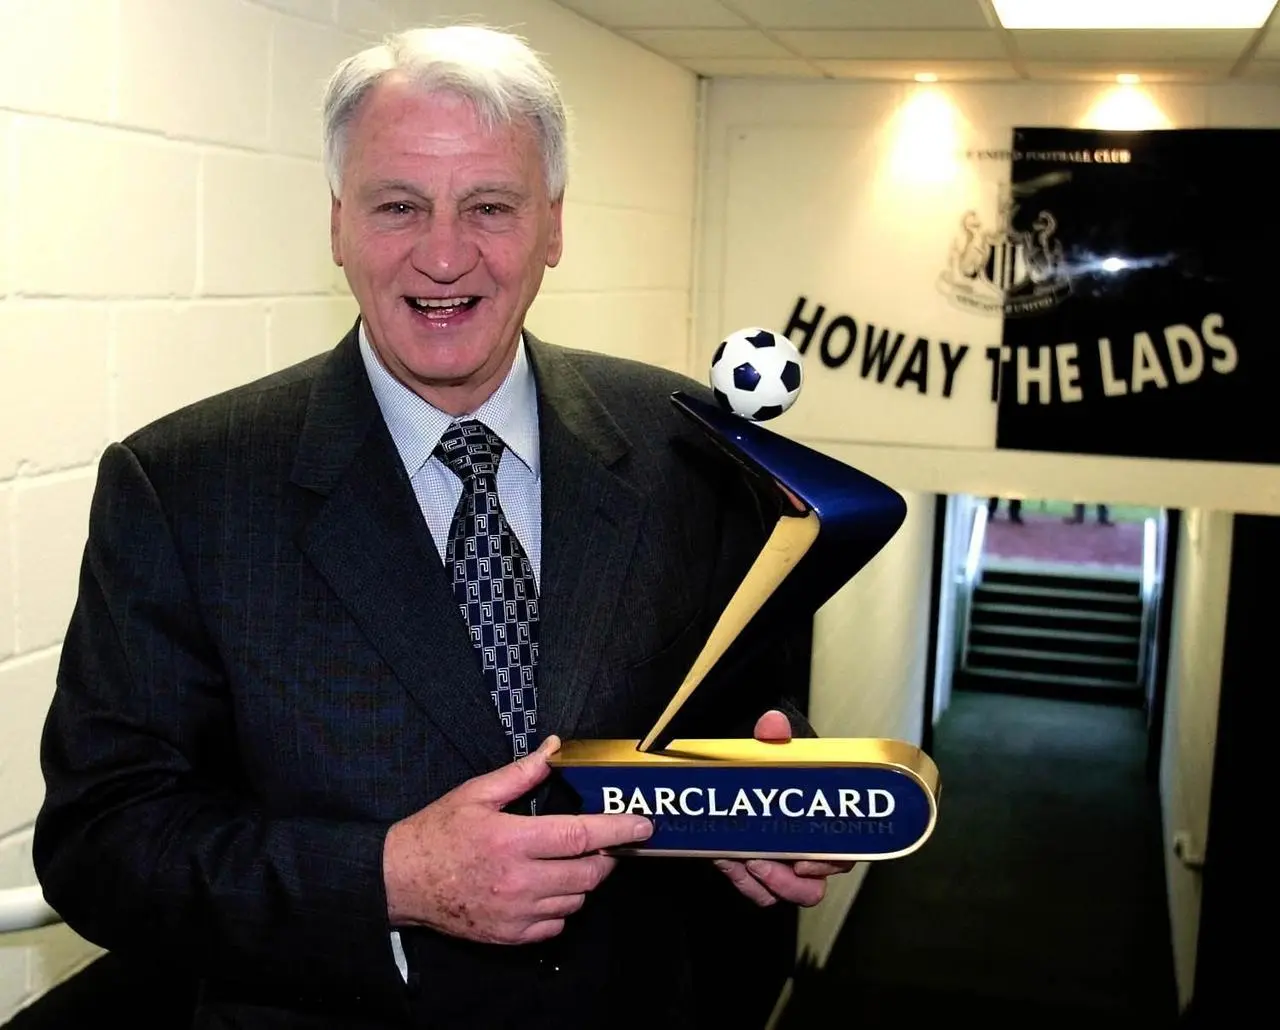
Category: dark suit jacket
<point>266,669</point>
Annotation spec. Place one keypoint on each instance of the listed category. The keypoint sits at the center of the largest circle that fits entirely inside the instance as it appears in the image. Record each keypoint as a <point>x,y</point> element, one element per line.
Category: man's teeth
<point>439,305</point>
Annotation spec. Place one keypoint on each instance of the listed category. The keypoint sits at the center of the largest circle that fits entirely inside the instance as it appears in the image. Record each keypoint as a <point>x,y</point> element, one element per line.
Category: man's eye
<point>490,210</point>
<point>396,207</point>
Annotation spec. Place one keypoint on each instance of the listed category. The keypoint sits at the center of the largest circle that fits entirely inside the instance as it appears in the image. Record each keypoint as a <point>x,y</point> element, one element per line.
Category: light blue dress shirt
<point>416,426</point>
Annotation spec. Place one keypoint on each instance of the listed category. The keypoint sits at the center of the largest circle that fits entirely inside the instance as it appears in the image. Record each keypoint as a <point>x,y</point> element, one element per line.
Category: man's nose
<point>444,251</point>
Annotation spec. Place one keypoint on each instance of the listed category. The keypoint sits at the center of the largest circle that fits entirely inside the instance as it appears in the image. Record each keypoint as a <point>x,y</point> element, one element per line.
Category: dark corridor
<point>1038,902</point>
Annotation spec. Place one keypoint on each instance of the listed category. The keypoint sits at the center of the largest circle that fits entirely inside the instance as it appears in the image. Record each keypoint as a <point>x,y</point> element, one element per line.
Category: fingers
<point>560,907</point>
<point>541,931</point>
<point>506,784</point>
<point>764,882</point>
<point>565,883</point>
<point>782,881</point>
<point>566,876</point>
<point>564,836</point>
<point>745,882</point>
<point>821,870</point>
<point>773,726</point>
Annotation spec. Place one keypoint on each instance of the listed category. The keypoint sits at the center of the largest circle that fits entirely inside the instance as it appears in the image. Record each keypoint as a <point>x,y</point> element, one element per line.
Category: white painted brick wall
<point>195,349</point>
<point>375,18</point>
<point>631,249</point>
<point>8,595</point>
<point>50,519</point>
<point>301,327</point>
<point>302,57</point>
<point>164,236</point>
<point>648,324</point>
<point>7,191</point>
<point>197,69</point>
<point>265,226</point>
<point>316,10</point>
<point>26,683</point>
<point>59,57</point>
<point>48,341</point>
<point>101,213</point>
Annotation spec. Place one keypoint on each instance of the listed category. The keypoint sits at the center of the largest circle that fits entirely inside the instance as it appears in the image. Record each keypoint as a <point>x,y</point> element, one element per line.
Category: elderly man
<point>331,625</point>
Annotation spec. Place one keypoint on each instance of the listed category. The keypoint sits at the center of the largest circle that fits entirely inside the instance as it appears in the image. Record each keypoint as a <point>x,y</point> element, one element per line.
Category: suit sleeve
<point>148,840</point>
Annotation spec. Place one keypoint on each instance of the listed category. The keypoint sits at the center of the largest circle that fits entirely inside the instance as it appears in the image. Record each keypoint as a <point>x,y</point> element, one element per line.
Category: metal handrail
<point>1150,593</point>
<point>973,557</point>
<point>969,574</point>
<point>24,908</point>
<point>1148,560</point>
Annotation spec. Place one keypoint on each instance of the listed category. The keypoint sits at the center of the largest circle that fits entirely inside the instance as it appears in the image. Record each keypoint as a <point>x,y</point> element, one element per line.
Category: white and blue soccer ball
<point>756,374</point>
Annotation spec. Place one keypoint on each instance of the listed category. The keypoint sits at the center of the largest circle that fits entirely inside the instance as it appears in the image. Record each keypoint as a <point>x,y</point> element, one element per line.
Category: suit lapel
<point>590,519</point>
<point>368,540</point>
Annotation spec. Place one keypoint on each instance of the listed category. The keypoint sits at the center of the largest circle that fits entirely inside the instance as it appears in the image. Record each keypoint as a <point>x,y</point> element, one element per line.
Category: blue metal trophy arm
<point>834,519</point>
<point>857,514</point>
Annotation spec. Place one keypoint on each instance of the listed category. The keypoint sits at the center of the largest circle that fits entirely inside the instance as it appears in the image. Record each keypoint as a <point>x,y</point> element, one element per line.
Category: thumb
<point>773,726</point>
<point>509,782</point>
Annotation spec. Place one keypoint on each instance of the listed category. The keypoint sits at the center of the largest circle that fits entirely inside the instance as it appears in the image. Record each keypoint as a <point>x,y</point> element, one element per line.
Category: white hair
<point>495,70</point>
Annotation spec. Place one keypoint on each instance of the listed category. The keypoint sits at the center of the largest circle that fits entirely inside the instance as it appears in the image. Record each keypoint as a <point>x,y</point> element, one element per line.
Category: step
<point>1054,597</point>
<point>1064,635</point>
<point>1066,657</point>
<point>1074,679</point>
<point>1067,688</point>
<point>1028,666</point>
<point>1124,586</point>
<point>1065,618</point>
<point>1041,639</point>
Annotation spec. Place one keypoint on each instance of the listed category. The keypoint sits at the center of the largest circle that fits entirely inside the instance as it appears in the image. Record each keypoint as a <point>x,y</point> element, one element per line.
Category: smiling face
<point>444,230</point>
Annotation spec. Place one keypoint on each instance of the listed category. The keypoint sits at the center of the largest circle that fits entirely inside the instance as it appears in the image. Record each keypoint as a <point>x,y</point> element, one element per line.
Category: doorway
<point>1059,599</point>
<point>1041,895</point>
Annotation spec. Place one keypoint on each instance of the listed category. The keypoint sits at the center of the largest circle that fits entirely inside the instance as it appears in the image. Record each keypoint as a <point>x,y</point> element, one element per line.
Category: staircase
<point>1062,634</point>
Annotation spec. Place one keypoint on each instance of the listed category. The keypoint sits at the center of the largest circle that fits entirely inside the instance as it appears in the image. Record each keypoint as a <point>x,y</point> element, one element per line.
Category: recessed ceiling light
<point>926,77</point>
<point>1132,14</point>
<point>1128,79</point>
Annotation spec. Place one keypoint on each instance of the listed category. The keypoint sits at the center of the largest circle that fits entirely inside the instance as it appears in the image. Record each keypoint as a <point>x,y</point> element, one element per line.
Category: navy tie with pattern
<point>493,582</point>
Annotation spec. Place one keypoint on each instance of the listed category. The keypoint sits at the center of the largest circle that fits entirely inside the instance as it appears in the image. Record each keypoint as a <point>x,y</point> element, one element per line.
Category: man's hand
<point>763,881</point>
<point>466,868</point>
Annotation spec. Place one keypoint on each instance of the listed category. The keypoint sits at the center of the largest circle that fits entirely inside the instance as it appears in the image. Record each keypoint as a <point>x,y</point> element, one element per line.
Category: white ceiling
<point>897,39</point>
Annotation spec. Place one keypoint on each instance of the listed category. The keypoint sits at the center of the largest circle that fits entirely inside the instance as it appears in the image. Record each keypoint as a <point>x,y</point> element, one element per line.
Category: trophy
<point>824,798</point>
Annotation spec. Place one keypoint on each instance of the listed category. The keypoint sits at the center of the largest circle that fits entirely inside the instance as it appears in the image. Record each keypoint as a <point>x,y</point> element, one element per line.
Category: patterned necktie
<point>493,582</point>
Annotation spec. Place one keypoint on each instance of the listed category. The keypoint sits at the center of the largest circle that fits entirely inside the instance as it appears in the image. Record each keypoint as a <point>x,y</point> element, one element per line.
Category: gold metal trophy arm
<point>787,544</point>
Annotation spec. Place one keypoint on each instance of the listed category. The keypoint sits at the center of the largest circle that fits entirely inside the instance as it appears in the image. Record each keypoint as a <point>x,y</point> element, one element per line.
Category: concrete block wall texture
<point>163,236</point>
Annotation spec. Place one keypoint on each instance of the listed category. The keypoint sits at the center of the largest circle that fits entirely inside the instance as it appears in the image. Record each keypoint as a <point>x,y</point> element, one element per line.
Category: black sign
<point>1141,277</point>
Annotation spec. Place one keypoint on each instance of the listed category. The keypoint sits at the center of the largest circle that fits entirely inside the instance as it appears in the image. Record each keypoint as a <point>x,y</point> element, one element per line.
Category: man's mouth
<point>441,310</point>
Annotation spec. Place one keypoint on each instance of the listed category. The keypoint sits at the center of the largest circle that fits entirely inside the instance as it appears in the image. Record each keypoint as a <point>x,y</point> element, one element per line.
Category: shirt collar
<point>416,426</point>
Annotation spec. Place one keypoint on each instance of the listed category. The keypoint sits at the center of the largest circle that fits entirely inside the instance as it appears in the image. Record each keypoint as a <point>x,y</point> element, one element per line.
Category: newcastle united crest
<point>1004,271</point>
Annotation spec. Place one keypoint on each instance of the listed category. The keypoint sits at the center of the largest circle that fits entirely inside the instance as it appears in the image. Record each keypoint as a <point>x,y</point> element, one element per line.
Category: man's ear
<point>555,242</point>
<point>335,243</point>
